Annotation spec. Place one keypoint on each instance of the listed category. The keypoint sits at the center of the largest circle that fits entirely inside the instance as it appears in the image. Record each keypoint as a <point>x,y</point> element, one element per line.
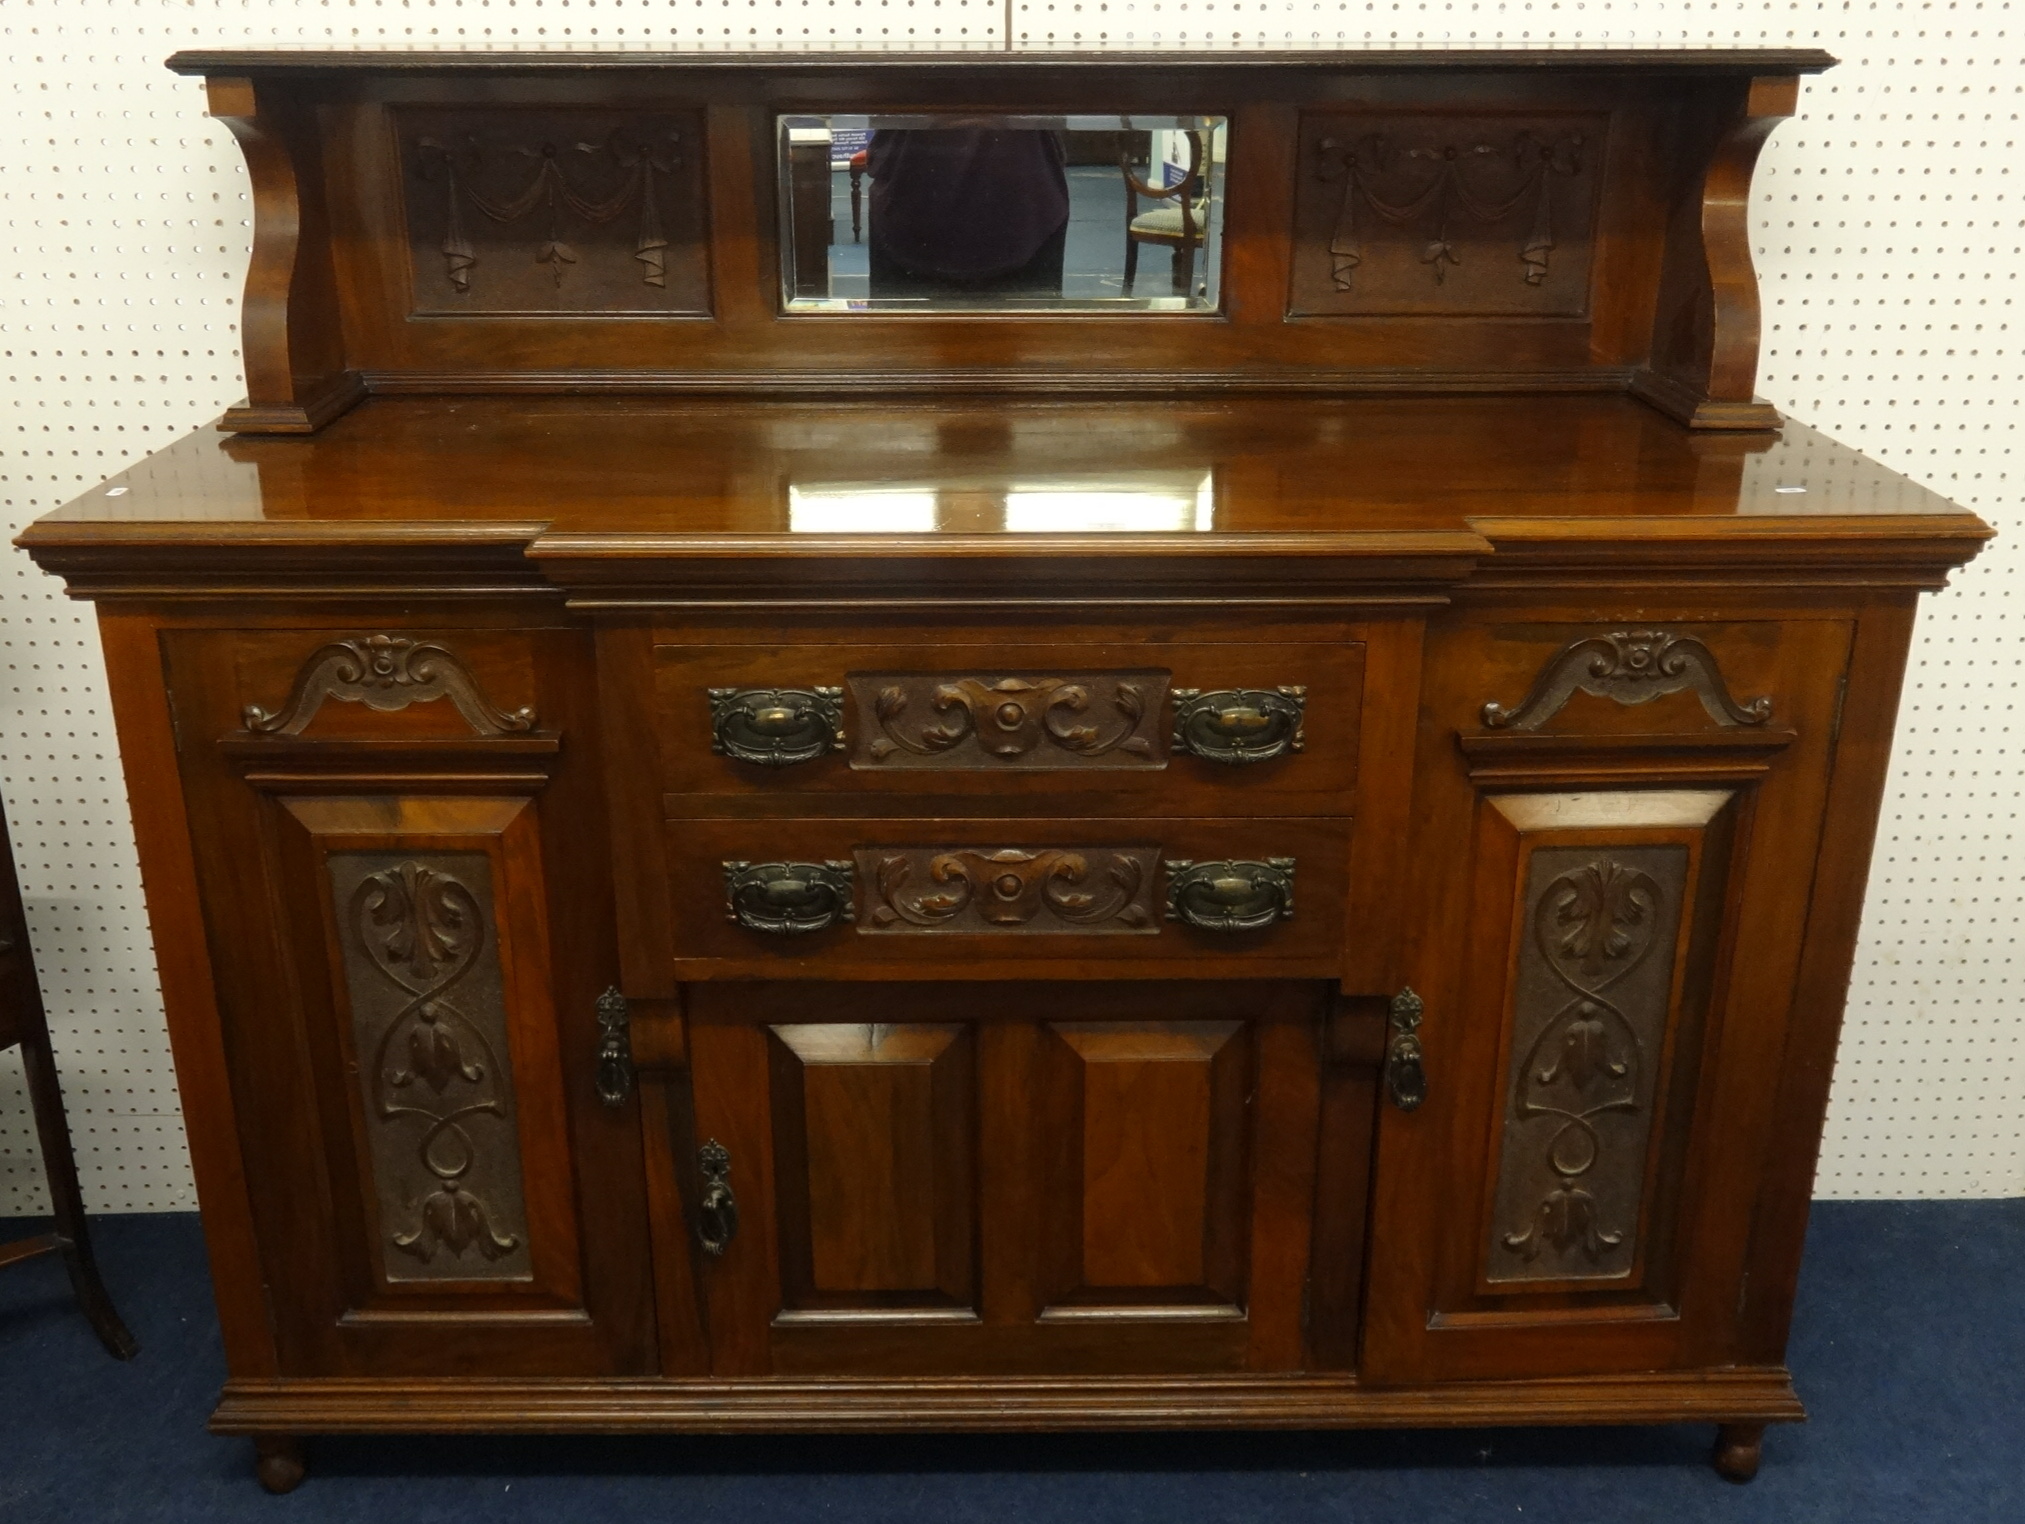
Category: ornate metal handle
<point>776,727</point>
<point>1405,1075</point>
<point>1240,724</point>
<point>788,899</point>
<point>717,1211</point>
<point>615,1049</point>
<point>1230,896</point>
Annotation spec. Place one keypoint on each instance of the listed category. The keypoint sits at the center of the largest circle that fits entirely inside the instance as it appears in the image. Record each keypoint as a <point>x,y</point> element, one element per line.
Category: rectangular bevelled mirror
<point>1001,212</point>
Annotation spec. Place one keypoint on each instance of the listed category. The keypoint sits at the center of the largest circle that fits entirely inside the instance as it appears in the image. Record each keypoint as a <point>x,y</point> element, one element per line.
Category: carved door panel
<point>1002,1177</point>
<point>410,932</point>
<point>1605,966</point>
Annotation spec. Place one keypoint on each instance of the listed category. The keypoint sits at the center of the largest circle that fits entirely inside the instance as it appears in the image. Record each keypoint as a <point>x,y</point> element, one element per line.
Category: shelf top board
<point>992,466</point>
<point>1039,56</point>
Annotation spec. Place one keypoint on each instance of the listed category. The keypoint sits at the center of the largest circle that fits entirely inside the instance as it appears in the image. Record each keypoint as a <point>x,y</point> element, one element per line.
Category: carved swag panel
<point>999,720</point>
<point>1406,215</point>
<point>429,1038</point>
<point>529,212</point>
<point>1590,1006</point>
<point>1009,889</point>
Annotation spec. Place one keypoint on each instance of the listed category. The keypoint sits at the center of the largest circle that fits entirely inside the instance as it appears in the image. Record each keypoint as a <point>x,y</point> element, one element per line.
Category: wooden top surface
<point>488,56</point>
<point>1213,467</point>
<point>536,492</point>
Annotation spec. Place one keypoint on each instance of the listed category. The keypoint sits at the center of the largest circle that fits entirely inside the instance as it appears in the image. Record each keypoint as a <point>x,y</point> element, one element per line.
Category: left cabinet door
<point>399,838</point>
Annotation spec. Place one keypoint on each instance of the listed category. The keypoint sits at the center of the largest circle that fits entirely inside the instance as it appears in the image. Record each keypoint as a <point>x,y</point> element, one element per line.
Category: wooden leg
<point>277,1461</point>
<point>1131,262</point>
<point>66,1200</point>
<point>1739,1446</point>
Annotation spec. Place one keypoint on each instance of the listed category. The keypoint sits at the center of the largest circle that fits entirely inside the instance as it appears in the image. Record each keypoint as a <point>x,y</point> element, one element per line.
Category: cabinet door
<point>1004,1177</point>
<point>1613,899</point>
<point>410,926</point>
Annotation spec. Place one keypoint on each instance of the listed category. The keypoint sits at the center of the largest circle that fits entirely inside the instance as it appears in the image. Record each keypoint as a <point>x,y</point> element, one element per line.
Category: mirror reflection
<point>1128,501</point>
<point>1001,213</point>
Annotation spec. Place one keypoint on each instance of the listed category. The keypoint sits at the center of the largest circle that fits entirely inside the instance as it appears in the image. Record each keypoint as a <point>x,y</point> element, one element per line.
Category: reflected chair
<point>23,1021</point>
<point>1178,220</point>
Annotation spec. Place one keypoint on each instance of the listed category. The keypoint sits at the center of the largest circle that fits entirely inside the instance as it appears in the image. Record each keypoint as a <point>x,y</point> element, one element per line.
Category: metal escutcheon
<point>615,1049</point>
<point>1230,896</point>
<point>776,727</point>
<point>717,1208</point>
<point>1405,1074</point>
<point>1240,724</point>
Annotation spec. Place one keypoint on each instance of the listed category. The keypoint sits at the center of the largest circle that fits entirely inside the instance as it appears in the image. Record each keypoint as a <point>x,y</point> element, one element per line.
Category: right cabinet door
<point>1616,831</point>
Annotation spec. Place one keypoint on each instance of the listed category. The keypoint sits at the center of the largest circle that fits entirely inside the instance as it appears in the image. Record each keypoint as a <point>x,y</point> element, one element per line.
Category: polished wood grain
<point>1628,266</point>
<point>940,1111</point>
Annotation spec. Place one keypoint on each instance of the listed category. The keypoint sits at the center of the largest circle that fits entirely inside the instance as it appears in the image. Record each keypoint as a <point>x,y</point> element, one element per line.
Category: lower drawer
<point>971,898</point>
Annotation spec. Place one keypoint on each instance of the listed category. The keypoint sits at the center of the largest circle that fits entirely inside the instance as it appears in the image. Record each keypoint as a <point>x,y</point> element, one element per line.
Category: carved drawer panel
<point>989,898</point>
<point>1195,726</point>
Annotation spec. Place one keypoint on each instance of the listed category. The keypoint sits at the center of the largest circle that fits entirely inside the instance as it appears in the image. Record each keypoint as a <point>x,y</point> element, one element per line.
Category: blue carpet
<point>1909,1350</point>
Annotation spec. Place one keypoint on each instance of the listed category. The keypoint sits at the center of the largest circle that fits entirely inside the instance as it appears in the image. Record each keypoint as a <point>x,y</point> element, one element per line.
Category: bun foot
<point>277,1461</point>
<point>1739,1447</point>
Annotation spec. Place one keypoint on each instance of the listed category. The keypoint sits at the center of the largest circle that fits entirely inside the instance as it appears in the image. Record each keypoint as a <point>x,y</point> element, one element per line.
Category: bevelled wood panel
<point>521,213</point>
<point>1148,1123</point>
<point>1602,928</point>
<point>874,1141</point>
<point>444,1025</point>
<point>1446,215</point>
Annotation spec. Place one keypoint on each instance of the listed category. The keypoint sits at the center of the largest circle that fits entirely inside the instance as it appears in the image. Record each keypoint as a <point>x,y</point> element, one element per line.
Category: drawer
<point>997,898</point>
<point>1196,727</point>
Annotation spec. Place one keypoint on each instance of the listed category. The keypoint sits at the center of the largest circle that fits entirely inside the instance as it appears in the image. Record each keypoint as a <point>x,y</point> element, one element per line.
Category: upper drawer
<point>1204,726</point>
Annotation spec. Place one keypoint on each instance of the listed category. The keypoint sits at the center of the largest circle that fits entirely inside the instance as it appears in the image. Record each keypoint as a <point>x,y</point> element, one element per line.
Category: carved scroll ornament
<point>1631,667</point>
<point>1594,925</point>
<point>387,673</point>
<point>419,935</point>
<point>1013,889</point>
<point>1037,722</point>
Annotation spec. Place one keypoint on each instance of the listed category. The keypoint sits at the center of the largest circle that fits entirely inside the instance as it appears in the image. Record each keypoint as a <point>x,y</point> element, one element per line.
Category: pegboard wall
<point>1891,246</point>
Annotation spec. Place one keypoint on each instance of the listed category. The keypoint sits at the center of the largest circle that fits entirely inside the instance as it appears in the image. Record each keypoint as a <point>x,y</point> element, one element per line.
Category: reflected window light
<point>831,510</point>
<point>1167,502</point>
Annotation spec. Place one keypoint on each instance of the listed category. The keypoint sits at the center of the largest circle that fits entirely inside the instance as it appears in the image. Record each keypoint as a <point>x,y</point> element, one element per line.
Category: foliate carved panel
<point>1591,1001</point>
<point>429,1036</point>
<point>1006,720</point>
<point>533,212</point>
<point>1009,889</point>
<point>1424,215</point>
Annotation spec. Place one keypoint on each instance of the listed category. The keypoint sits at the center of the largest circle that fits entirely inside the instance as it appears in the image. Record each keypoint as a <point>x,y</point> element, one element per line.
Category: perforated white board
<point>1890,241</point>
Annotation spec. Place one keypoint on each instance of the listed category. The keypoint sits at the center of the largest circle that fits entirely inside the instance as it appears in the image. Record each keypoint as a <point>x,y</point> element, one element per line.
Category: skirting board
<point>355,1405</point>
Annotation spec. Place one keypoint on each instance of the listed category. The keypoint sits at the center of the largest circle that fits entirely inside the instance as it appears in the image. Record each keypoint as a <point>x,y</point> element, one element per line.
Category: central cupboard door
<point>1000,1177</point>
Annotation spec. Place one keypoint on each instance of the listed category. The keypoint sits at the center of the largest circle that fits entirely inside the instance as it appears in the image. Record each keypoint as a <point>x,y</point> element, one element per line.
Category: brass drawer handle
<point>1231,895</point>
<point>788,899</point>
<point>776,727</point>
<point>1240,724</point>
<point>1405,1074</point>
<point>717,1210</point>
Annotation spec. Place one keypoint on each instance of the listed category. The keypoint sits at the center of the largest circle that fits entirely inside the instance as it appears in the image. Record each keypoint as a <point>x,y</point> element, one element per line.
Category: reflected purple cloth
<point>966,204</point>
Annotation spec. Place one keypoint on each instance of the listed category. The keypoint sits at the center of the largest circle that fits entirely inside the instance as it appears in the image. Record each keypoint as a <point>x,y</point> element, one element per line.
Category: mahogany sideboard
<point>1277,846</point>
